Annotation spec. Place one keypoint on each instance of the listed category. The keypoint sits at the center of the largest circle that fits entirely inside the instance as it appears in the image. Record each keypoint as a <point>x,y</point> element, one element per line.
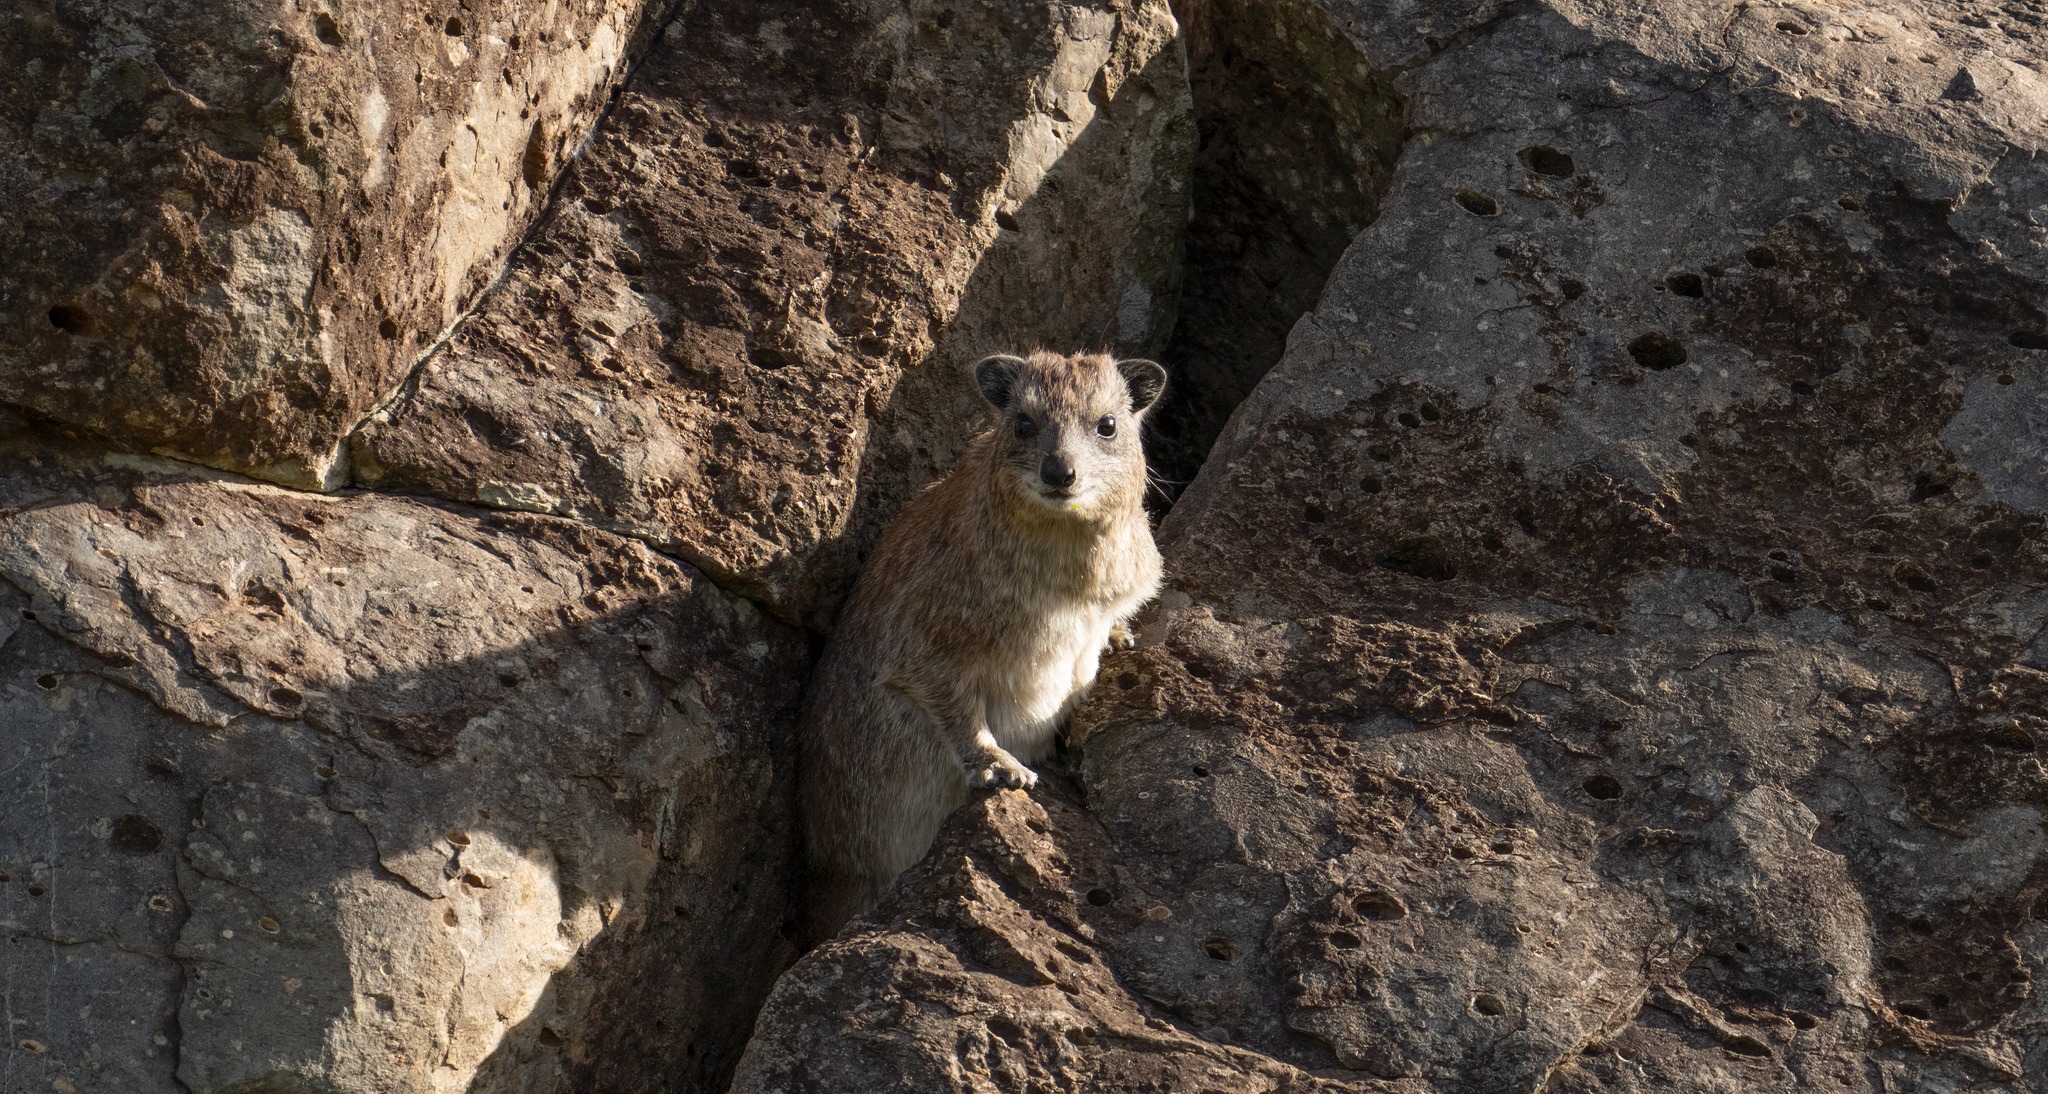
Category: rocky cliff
<point>1606,643</point>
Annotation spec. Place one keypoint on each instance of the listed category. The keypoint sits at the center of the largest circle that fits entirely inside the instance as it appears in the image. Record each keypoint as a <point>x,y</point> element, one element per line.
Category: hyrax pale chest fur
<point>978,623</point>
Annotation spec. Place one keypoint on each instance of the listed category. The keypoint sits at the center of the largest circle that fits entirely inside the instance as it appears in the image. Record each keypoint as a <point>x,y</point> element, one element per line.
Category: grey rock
<point>355,793</point>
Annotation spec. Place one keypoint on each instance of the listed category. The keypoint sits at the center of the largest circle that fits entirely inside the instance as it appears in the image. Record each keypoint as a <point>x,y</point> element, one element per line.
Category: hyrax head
<point>1068,435</point>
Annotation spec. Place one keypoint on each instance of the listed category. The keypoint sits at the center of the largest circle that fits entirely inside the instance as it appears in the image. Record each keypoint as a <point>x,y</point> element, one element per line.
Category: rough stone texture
<point>359,794</point>
<point>233,226</point>
<point>989,974</point>
<point>1608,651</point>
<point>744,337</point>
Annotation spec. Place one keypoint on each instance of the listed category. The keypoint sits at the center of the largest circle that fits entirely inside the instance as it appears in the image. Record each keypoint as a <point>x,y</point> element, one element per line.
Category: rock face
<point>1605,653</point>
<point>234,226</point>
<point>354,793</point>
<point>743,338</point>
<point>1609,650</point>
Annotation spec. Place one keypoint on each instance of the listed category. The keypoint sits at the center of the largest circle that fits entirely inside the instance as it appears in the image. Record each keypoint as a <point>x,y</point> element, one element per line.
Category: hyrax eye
<point>1025,426</point>
<point>1106,427</point>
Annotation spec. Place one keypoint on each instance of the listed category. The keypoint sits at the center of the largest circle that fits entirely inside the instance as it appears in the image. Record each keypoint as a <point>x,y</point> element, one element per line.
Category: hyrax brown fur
<point>977,626</point>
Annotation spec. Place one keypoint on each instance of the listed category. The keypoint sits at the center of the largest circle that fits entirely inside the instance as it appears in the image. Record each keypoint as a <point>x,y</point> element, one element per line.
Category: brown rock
<point>233,228</point>
<point>744,335</point>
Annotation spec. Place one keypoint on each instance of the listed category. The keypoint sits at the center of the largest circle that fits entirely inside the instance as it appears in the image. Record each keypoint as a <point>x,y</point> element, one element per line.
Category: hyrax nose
<point>1056,473</point>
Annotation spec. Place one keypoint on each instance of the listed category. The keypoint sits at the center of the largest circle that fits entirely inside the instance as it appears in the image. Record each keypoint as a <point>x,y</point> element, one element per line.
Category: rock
<point>236,226</point>
<point>356,793</point>
<point>743,336</point>
<point>1605,653</point>
<point>988,976</point>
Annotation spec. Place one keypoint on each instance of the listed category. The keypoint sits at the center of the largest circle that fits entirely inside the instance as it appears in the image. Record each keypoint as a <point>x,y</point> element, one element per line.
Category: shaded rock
<point>236,226</point>
<point>990,975</point>
<point>744,336</point>
<point>354,793</point>
<point>1604,652</point>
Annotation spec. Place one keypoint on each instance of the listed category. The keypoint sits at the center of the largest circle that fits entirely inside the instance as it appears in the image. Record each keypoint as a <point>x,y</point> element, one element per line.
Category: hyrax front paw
<point>999,769</point>
<point>1121,638</point>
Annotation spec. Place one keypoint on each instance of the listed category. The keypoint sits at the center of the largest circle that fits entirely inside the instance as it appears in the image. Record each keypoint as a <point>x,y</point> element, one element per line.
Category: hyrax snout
<point>977,626</point>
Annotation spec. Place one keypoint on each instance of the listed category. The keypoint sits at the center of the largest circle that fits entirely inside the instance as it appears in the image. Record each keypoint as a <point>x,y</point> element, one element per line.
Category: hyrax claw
<point>1003,772</point>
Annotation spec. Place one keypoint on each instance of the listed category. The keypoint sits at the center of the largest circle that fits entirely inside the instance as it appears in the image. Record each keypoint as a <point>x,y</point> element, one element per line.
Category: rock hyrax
<point>977,625</point>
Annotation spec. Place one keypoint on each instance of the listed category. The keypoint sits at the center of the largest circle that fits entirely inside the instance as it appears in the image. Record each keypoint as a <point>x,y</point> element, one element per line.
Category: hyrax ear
<point>1145,379</point>
<point>997,378</point>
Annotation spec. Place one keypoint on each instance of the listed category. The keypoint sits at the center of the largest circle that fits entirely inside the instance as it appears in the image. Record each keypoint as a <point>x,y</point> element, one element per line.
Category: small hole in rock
<point>1313,513</point>
<point>1919,336</point>
<point>453,27</point>
<point>1797,30</point>
<point>1745,1045</point>
<point>1476,203</point>
<point>1571,289</point>
<point>71,319</point>
<point>135,834</point>
<point>2013,739</point>
<point>458,839</point>
<point>1545,160</point>
<point>1686,284</point>
<point>1603,787</point>
<point>47,681</point>
<point>1127,680</point>
<point>2005,379</point>
<point>1913,577</point>
<point>1378,906</point>
<point>387,330</point>
<point>1489,1004</point>
<point>35,890</point>
<point>1007,221</point>
<point>2028,339</point>
<point>1803,1020</point>
<point>1200,771</point>
<point>1408,419</point>
<point>1461,852</point>
<point>1763,258</point>
<point>1423,558</point>
<point>268,924</point>
<point>1345,940</point>
<point>1850,204</point>
<point>1916,1010</point>
<point>1657,351</point>
<point>1099,897</point>
<point>325,28</point>
<point>1009,1032</point>
<point>1220,949</point>
<point>286,697</point>
<point>1430,413</point>
<point>1372,484</point>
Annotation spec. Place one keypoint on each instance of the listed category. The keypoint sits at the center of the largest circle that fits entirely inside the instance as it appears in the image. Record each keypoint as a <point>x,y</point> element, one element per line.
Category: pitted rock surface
<point>744,336</point>
<point>1604,654</point>
<point>354,793</point>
